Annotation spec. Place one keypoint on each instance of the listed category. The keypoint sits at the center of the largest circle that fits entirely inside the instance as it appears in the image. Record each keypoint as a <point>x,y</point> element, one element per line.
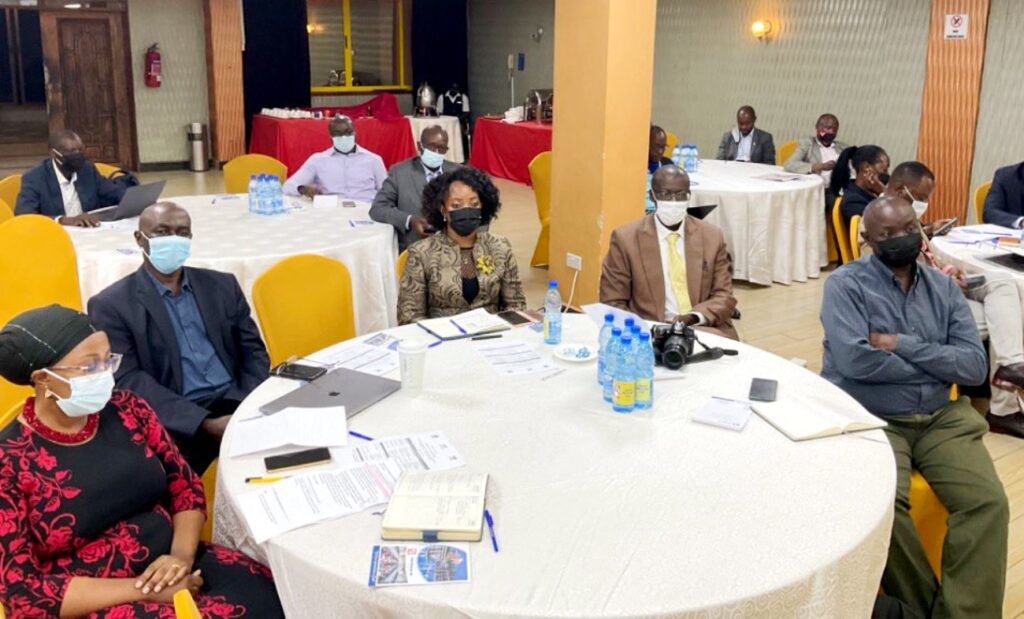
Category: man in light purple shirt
<point>345,169</point>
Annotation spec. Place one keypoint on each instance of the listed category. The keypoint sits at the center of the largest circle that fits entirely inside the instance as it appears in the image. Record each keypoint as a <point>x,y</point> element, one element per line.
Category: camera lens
<point>672,358</point>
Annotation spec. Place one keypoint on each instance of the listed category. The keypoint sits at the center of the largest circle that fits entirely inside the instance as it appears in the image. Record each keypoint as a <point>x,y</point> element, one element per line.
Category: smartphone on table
<point>297,460</point>
<point>763,389</point>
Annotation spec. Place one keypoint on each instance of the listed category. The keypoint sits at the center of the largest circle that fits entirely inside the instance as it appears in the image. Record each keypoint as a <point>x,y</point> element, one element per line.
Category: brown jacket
<point>632,278</point>
<point>431,285</point>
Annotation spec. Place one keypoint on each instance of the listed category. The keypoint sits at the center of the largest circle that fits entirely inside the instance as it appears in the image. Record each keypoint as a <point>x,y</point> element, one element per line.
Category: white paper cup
<point>412,359</point>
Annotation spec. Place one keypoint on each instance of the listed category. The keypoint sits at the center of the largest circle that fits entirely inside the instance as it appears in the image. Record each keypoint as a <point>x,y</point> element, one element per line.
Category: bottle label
<point>624,393</point>
<point>547,327</point>
<point>643,389</point>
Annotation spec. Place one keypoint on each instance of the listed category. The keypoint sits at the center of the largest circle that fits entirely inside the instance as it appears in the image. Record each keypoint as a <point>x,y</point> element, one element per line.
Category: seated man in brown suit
<point>670,266</point>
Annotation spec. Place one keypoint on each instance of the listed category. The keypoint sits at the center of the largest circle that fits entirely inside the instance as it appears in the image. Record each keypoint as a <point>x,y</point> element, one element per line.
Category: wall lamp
<point>761,29</point>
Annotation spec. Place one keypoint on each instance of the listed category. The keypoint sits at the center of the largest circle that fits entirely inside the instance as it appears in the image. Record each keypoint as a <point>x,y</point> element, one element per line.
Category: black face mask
<point>465,221</point>
<point>826,138</point>
<point>884,178</point>
<point>72,163</point>
<point>899,251</point>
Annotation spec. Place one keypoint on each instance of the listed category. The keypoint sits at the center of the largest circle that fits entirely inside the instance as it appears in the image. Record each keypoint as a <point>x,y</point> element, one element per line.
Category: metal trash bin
<point>199,152</point>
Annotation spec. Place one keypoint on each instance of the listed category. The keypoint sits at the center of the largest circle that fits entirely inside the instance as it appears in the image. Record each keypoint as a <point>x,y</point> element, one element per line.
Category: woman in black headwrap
<point>99,514</point>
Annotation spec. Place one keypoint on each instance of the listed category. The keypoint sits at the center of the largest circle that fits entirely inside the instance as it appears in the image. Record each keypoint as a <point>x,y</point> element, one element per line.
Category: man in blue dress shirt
<point>345,169</point>
<point>898,334</point>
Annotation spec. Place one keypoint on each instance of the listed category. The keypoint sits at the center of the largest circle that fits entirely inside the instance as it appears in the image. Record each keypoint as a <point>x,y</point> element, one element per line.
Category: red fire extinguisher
<point>153,78</point>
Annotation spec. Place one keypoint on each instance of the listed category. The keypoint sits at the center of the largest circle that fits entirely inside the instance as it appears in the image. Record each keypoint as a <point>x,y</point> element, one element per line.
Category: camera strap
<point>710,353</point>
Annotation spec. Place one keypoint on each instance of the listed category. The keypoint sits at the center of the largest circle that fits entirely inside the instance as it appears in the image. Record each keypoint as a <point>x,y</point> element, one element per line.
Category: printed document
<point>300,427</point>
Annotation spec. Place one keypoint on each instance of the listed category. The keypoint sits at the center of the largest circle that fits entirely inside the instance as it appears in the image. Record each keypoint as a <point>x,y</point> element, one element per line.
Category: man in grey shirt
<point>898,334</point>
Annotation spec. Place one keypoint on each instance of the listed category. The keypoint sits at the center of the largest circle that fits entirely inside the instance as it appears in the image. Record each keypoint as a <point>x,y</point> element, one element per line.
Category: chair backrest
<point>185,607</point>
<point>209,479</point>
<point>979,200</point>
<point>10,187</point>
<point>238,170</point>
<point>786,151</point>
<point>304,304</point>
<point>400,266</point>
<point>6,211</point>
<point>671,140</point>
<point>842,234</point>
<point>37,268</point>
<point>854,238</point>
<point>106,169</point>
<point>10,415</point>
<point>540,178</point>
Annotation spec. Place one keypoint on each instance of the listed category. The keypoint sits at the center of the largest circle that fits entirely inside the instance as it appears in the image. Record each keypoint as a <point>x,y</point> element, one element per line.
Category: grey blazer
<point>807,153</point>
<point>762,147</point>
<point>401,196</point>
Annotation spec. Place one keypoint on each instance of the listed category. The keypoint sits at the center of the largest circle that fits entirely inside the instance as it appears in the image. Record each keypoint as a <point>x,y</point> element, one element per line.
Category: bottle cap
<point>626,338</point>
<point>553,284</point>
<point>616,332</point>
<point>644,336</point>
<point>629,323</point>
<point>609,317</point>
<point>635,328</point>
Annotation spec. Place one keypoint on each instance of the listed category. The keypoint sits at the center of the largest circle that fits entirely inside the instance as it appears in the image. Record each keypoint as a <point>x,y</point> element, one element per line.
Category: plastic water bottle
<point>602,345</point>
<point>261,194</point>
<point>634,332</point>
<point>611,355</point>
<point>552,314</point>
<point>649,205</point>
<point>624,378</point>
<point>696,157</point>
<point>677,154</point>
<point>689,161</point>
<point>645,373</point>
<point>253,194</point>
<point>277,195</point>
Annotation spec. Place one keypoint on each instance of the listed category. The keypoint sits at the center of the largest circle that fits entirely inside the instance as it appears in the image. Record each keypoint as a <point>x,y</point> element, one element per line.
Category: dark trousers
<point>200,449</point>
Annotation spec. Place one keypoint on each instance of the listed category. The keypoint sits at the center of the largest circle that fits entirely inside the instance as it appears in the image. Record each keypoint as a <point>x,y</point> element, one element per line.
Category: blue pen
<point>358,435</point>
<point>461,330</point>
<point>490,527</point>
<point>437,343</point>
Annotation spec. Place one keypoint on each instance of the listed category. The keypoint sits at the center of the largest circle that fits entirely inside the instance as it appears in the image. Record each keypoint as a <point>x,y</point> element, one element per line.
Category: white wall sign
<point>956,26</point>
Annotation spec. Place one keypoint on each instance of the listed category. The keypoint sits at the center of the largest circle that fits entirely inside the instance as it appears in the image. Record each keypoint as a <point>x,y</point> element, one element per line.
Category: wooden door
<point>88,84</point>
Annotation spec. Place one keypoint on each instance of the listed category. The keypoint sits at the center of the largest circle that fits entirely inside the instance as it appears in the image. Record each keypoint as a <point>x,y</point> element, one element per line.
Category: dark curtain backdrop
<point>439,45</point>
<point>275,63</point>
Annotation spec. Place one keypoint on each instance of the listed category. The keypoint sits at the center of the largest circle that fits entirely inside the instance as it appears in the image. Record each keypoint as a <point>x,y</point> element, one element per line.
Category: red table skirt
<point>292,140</point>
<point>506,150</point>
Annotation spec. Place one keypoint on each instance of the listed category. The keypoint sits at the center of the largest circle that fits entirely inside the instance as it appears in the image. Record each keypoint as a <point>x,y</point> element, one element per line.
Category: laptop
<point>133,202</point>
<point>354,390</point>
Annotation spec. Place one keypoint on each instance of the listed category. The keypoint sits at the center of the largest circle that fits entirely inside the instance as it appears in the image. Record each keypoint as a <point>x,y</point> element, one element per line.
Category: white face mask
<point>89,393</point>
<point>344,143</point>
<point>920,206</point>
<point>671,213</point>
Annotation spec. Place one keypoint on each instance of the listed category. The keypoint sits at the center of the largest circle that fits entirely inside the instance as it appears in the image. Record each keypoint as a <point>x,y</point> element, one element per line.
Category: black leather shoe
<point>1008,424</point>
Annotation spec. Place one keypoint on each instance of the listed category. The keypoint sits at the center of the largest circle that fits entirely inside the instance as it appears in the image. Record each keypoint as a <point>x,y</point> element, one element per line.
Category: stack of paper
<point>509,358</point>
<point>358,356</point>
<point>429,451</point>
<point>298,427</point>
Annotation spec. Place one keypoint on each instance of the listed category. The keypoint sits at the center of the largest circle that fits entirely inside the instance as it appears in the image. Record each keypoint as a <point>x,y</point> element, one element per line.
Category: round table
<point>775,230</point>
<point>970,258</point>
<point>450,124</point>
<point>600,514</point>
<point>226,237</point>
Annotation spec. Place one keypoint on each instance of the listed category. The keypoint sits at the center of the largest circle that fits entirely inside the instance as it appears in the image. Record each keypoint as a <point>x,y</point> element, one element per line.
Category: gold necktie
<point>677,274</point>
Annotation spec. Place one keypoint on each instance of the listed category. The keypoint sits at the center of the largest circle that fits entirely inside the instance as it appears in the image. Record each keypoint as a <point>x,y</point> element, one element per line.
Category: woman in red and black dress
<point>99,514</point>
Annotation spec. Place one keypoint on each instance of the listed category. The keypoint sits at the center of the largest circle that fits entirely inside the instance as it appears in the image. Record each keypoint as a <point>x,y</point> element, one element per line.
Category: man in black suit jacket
<point>400,199</point>
<point>745,142</point>
<point>67,186</point>
<point>1004,205</point>
<point>190,346</point>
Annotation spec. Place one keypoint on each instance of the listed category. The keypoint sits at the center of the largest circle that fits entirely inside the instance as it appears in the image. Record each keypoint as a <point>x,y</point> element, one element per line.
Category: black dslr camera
<point>673,344</point>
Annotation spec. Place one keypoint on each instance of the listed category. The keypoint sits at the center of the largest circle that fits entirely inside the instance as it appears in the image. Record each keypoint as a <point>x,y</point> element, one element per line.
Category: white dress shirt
<point>743,150</point>
<point>671,305</point>
<point>431,175</point>
<point>828,153</point>
<point>68,193</point>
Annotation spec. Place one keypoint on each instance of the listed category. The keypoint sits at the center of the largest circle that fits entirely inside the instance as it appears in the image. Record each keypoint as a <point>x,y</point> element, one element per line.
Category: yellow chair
<point>9,189</point>
<point>842,234</point>
<point>106,169</point>
<point>540,178</point>
<point>185,607</point>
<point>209,491</point>
<point>670,142</point>
<point>855,237</point>
<point>238,170</point>
<point>6,211</point>
<point>786,151</point>
<point>979,200</point>
<point>929,516</point>
<point>10,416</point>
<point>304,304</point>
<point>400,266</point>
<point>54,280</point>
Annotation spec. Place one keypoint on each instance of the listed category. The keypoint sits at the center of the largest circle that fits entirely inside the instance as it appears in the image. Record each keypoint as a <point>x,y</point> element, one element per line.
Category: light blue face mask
<point>89,394</point>
<point>167,254</point>
<point>344,143</point>
<point>431,159</point>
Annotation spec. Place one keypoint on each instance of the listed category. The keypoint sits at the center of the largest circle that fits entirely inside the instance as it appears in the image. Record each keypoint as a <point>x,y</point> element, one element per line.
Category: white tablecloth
<point>774,230</point>
<point>226,237</point>
<point>969,258</point>
<point>606,515</point>
<point>448,123</point>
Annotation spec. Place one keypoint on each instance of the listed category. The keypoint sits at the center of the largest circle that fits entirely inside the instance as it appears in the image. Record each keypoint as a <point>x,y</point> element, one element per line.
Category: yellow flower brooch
<point>485,264</point>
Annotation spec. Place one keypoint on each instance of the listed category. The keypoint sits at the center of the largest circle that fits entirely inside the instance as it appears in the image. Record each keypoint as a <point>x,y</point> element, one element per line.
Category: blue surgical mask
<point>344,143</point>
<point>431,159</point>
<point>89,393</point>
<point>167,254</point>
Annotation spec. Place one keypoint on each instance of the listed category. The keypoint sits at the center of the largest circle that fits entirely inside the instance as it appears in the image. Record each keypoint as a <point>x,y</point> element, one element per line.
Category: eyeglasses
<point>111,363</point>
<point>678,196</point>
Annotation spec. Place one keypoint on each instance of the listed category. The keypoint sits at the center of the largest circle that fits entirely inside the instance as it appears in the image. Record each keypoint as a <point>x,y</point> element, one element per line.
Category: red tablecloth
<point>384,106</point>
<point>292,140</point>
<point>506,150</point>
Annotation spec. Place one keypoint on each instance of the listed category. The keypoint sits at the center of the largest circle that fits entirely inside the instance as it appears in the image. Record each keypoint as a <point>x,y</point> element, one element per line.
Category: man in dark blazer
<point>1004,205</point>
<point>745,142</point>
<point>400,199</point>
<point>67,185</point>
<point>190,346</point>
